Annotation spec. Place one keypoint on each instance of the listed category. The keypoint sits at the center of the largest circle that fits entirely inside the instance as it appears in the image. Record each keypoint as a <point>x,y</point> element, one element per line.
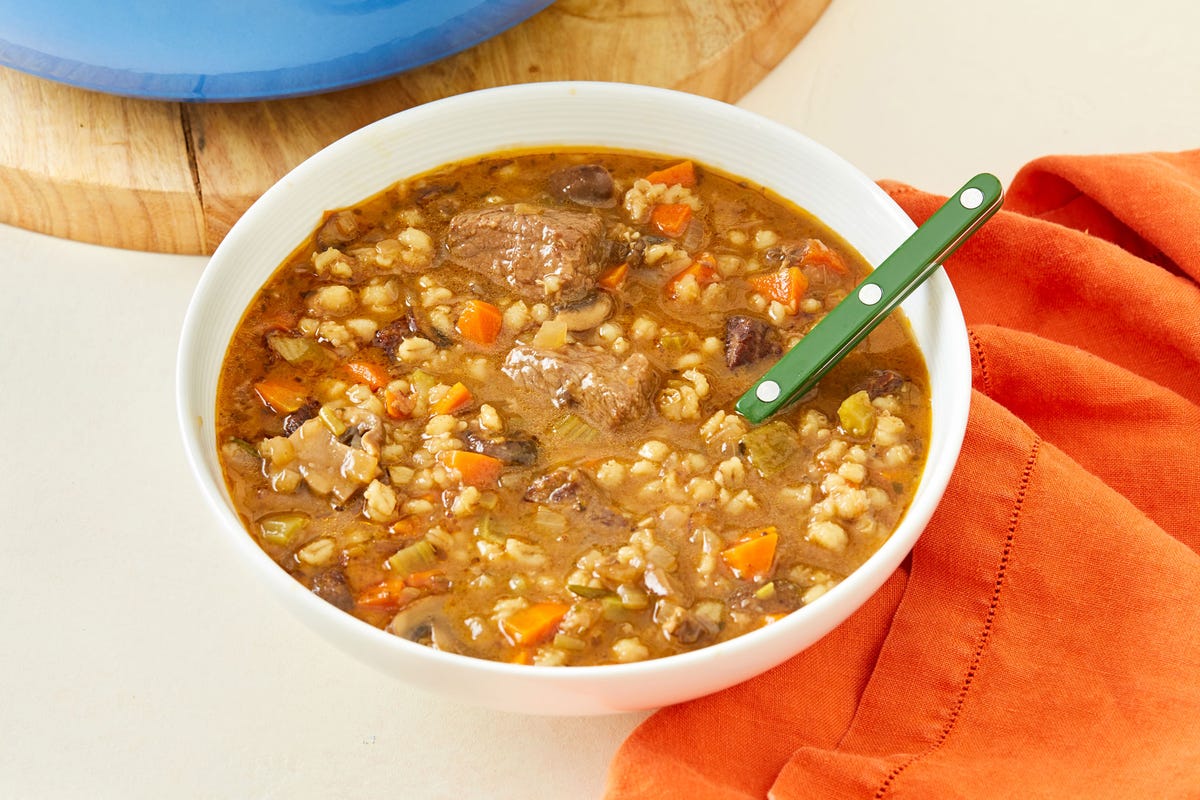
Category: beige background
<point>137,662</point>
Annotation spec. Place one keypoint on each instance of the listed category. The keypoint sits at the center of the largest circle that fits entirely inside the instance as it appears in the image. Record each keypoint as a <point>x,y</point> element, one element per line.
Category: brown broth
<point>663,581</point>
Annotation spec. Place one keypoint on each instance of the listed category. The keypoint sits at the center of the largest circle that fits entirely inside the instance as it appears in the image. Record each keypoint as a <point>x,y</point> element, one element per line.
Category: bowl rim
<point>820,617</point>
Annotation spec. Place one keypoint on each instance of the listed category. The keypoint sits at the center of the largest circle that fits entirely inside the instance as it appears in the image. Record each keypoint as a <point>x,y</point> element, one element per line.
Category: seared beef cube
<point>541,254</point>
<point>748,339</point>
<point>605,391</point>
<point>586,185</point>
<point>571,489</point>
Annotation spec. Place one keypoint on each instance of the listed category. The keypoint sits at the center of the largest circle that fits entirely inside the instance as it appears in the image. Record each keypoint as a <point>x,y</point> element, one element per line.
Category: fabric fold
<point>1043,640</point>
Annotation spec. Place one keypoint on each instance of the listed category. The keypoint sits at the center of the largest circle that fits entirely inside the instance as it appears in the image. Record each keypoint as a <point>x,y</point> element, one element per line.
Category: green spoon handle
<point>799,370</point>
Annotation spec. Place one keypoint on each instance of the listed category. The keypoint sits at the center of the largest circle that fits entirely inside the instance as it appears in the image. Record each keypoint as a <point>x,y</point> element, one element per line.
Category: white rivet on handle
<point>971,197</point>
<point>767,391</point>
<point>869,294</point>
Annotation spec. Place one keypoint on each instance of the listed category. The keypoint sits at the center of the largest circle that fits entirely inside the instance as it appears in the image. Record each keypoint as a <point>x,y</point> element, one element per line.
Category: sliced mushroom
<point>424,622</point>
<point>364,429</point>
<point>586,185</point>
<point>512,449</point>
<point>659,582</point>
<point>339,228</point>
<point>587,313</point>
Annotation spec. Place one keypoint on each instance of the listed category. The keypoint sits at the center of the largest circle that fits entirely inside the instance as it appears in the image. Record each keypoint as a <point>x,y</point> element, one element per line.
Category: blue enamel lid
<point>213,50</point>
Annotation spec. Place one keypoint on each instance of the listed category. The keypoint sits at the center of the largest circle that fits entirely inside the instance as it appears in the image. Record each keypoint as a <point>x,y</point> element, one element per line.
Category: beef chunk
<point>510,449</point>
<point>748,339</point>
<point>328,466</point>
<point>572,490</point>
<point>586,185</point>
<point>606,392</point>
<point>538,253</point>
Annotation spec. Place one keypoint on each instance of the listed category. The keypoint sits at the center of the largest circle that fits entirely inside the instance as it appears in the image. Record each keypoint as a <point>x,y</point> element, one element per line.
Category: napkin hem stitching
<point>985,376</point>
<point>985,633</point>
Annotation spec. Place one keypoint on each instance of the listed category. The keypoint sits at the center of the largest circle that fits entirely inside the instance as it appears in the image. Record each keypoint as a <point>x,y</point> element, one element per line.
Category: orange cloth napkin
<point>1043,639</point>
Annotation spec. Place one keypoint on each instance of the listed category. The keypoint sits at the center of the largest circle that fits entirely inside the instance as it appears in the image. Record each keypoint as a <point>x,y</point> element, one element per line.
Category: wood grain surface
<point>173,177</point>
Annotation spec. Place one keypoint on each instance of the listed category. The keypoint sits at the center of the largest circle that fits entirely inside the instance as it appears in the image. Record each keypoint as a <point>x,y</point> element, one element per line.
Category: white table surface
<point>136,661</point>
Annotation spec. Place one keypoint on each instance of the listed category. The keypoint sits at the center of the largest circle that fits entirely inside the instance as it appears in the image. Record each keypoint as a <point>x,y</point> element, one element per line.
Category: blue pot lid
<point>232,50</point>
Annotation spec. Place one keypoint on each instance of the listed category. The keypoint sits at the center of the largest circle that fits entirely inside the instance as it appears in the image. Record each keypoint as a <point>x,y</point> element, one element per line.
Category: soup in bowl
<point>464,395</point>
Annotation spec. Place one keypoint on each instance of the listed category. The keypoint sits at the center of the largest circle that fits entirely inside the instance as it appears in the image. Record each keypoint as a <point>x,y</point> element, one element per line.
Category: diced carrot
<point>522,656</point>
<point>423,580</point>
<point>821,254</point>
<point>397,405</point>
<point>479,322</point>
<point>683,174</point>
<point>474,469</point>
<point>371,373</point>
<point>703,270</point>
<point>613,278</point>
<point>405,526</point>
<point>752,556</point>
<point>534,623</point>
<point>769,618</point>
<point>786,285</point>
<point>280,396</point>
<point>382,595</point>
<point>458,398</point>
<point>671,219</point>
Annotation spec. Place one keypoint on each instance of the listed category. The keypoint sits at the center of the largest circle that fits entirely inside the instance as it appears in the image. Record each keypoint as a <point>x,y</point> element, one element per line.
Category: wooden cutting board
<point>173,177</point>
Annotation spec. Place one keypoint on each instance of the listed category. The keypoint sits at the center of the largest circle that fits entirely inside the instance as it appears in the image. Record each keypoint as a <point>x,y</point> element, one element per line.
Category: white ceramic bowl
<point>604,116</point>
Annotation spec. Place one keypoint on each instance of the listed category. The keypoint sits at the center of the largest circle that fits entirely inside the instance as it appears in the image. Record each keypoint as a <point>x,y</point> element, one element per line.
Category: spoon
<point>918,257</point>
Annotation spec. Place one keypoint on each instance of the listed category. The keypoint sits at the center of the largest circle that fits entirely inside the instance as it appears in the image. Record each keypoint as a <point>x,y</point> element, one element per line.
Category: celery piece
<point>421,382</point>
<point>769,447</point>
<point>571,429</point>
<point>766,591</point>
<point>588,592</point>
<point>675,343</point>
<point>857,415</point>
<point>280,529</point>
<point>614,610</point>
<point>332,421</point>
<point>565,642</point>
<point>245,446</point>
<point>632,597</point>
<point>417,557</point>
<point>490,530</point>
